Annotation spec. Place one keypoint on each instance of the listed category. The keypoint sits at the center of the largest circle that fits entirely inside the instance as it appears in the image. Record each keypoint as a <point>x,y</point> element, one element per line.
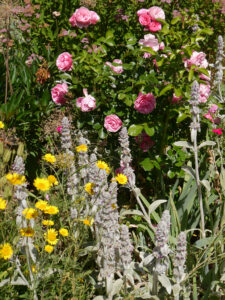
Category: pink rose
<point>117,69</point>
<point>112,123</point>
<point>144,19</point>
<point>213,108</point>
<point>209,117</point>
<point>198,59</point>
<point>94,17</point>
<point>86,103</point>
<point>83,17</point>
<point>161,46</point>
<point>218,131</point>
<point>58,93</point>
<point>145,103</point>
<point>204,91</point>
<point>64,62</point>
<point>156,12</point>
<point>147,55</point>
<point>150,41</point>
<point>154,26</point>
<point>142,11</point>
<point>144,141</point>
<point>175,98</point>
<point>205,77</point>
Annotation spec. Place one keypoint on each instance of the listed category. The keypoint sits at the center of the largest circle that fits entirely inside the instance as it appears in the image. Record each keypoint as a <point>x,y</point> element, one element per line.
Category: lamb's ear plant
<point>194,147</point>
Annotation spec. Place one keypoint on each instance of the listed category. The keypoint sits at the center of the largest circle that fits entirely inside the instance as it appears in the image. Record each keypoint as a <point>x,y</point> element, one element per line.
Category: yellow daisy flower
<point>15,179</point>
<point>102,165</point>
<point>49,248</point>
<point>47,223</point>
<point>42,184</point>
<point>2,125</point>
<point>49,158</point>
<point>63,232</point>
<point>51,210</point>
<point>51,236</point>
<point>52,179</point>
<point>41,204</point>
<point>6,251</point>
<point>88,221</point>
<point>30,213</point>
<point>82,148</point>
<point>89,188</point>
<point>27,231</point>
<point>121,178</point>
<point>2,204</point>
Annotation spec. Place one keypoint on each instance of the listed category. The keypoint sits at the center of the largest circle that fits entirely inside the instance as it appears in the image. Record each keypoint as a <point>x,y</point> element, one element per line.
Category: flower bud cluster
<point>162,250</point>
<point>180,258</point>
<point>126,158</point>
<point>108,231</point>
<point>126,247</point>
<point>66,142</point>
<point>20,193</point>
<point>72,178</point>
<point>219,60</point>
<point>195,110</point>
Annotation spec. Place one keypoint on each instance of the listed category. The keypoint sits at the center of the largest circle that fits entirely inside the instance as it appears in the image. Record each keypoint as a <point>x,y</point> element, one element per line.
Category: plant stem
<point>199,187</point>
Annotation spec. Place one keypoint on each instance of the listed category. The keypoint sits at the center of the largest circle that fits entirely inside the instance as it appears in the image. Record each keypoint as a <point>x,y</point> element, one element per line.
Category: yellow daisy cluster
<point>2,125</point>
<point>44,184</point>
<point>46,208</point>
<point>121,178</point>
<point>15,179</point>
<point>30,213</point>
<point>89,188</point>
<point>51,210</point>
<point>47,222</point>
<point>82,148</point>
<point>49,158</point>
<point>2,204</point>
<point>103,165</point>
<point>6,251</point>
<point>27,231</point>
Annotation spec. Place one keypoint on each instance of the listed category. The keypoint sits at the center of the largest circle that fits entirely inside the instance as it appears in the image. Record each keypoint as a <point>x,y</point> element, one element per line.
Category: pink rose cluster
<point>145,103</point>
<point>144,141</point>
<point>83,17</point>
<point>117,69</point>
<point>59,92</point>
<point>147,18</point>
<point>64,62</point>
<point>112,123</point>
<point>198,59</point>
<point>86,103</point>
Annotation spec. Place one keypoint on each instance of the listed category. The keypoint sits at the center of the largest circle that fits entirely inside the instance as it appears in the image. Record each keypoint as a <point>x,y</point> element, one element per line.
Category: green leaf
<point>175,20</point>
<point>148,50</point>
<point>207,31</point>
<point>135,130</point>
<point>149,131</point>
<point>181,117</point>
<point>109,34</point>
<point>165,89</point>
<point>147,164</point>
<point>110,42</point>
<point>190,75</point>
